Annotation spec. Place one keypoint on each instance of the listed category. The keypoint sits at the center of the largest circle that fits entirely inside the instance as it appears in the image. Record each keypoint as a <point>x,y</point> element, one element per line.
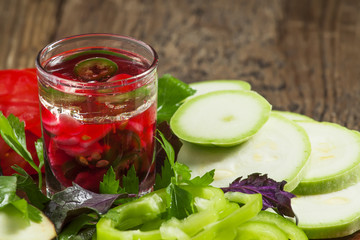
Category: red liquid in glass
<point>81,149</point>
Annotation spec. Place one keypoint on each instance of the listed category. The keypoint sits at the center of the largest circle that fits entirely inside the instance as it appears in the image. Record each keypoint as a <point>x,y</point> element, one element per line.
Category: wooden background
<point>302,55</point>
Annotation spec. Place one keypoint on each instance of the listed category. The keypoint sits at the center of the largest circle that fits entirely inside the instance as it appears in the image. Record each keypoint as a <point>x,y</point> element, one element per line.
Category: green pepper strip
<point>253,230</point>
<point>233,216</point>
<point>292,231</point>
<point>217,217</point>
<point>127,221</point>
<point>115,224</point>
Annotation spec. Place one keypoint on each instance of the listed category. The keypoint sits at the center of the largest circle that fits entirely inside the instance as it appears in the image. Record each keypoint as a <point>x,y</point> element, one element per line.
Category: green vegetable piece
<point>329,215</point>
<point>171,94</point>
<point>293,116</point>
<point>334,161</point>
<point>125,221</point>
<point>109,184</point>
<point>117,222</point>
<point>13,133</point>
<point>131,181</point>
<point>163,180</point>
<point>221,118</point>
<point>180,203</point>
<point>192,224</point>
<point>217,85</point>
<point>95,69</point>
<point>291,230</point>
<point>27,184</point>
<point>252,204</point>
<point>7,189</point>
<point>18,219</point>
<point>15,227</point>
<point>258,231</point>
<point>268,152</point>
<point>204,180</point>
<point>75,226</point>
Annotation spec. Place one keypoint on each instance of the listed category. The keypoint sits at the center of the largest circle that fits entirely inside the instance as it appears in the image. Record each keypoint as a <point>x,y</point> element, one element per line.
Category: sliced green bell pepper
<point>290,229</point>
<point>142,218</point>
<point>253,230</point>
<point>233,215</point>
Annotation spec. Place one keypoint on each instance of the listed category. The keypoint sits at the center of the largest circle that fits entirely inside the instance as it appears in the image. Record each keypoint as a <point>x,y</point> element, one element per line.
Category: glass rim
<point>92,85</point>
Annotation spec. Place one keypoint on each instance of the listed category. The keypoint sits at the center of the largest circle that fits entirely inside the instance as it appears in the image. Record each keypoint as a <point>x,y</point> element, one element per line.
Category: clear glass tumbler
<point>98,95</point>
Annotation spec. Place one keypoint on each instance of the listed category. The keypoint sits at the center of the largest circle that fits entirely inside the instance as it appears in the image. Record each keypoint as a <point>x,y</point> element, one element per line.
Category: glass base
<point>53,185</point>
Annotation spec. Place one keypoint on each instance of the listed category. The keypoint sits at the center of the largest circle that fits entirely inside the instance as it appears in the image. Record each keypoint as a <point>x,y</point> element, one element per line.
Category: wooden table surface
<point>302,55</point>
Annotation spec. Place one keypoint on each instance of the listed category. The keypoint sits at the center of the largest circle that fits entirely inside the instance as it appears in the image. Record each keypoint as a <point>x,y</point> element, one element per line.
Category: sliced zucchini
<point>14,227</point>
<point>217,85</point>
<point>334,161</point>
<point>329,215</point>
<point>294,116</point>
<point>221,118</point>
<point>280,149</point>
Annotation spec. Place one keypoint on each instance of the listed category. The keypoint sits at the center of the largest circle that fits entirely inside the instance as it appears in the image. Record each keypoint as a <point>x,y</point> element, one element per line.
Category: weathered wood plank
<point>301,55</point>
<point>25,27</point>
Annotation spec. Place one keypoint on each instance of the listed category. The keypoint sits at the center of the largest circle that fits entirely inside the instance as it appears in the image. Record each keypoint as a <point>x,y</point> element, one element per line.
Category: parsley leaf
<point>26,183</point>
<point>39,145</point>
<point>109,184</point>
<point>164,179</point>
<point>131,181</point>
<point>181,202</point>
<point>13,133</point>
<point>7,189</point>
<point>169,150</point>
<point>171,93</point>
<point>75,229</point>
<point>11,203</point>
<point>27,211</point>
<point>173,175</point>
<point>204,180</point>
<point>182,173</point>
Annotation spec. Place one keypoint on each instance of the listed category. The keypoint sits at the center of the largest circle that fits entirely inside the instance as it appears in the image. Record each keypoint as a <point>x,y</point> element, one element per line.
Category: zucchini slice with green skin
<point>334,161</point>
<point>217,85</point>
<point>221,118</point>
<point>14,227</point>
<point>329,215</point>
<point>294,116</point>
<point>280,149</point>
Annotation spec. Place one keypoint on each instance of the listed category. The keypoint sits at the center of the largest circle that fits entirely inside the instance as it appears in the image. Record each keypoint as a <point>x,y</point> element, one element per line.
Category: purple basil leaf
<point>75,200</point>
<point>272,192</point>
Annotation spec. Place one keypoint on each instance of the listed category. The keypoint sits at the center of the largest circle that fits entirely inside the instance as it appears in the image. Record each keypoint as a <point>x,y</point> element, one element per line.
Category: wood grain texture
<point>302,55</point>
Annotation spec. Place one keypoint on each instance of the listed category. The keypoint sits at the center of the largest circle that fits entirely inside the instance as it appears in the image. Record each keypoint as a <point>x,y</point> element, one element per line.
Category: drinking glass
<point>98,95</point>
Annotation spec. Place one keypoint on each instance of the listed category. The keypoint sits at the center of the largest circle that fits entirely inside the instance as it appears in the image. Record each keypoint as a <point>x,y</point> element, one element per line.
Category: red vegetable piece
<point>90,179</point>
<point>127,86</point>
<point>57,161</point>
<point>19,96</point>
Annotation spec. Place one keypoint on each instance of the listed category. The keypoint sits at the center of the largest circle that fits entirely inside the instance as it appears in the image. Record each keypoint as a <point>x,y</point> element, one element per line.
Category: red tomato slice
<point>19,96</point>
